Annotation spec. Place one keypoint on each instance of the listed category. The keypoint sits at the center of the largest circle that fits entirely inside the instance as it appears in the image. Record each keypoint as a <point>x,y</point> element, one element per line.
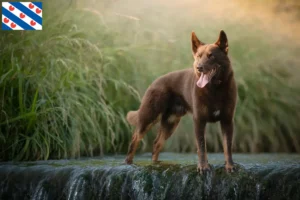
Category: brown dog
<point>208,92</point>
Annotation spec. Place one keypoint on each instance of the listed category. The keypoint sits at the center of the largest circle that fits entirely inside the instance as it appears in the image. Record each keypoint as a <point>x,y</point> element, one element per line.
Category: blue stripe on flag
<point>5,27</point>
<point>17,20</point>
<point>38,4</point>
<point>27,12</point>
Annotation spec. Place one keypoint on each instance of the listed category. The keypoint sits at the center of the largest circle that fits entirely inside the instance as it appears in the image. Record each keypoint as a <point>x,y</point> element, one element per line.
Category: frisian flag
<point>22,15</point>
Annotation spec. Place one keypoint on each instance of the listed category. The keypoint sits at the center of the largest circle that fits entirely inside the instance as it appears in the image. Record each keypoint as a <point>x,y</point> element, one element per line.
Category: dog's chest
<point>216,113</point>
<point>211,105</point>
<point>213,109</point>
<point>213,113</point>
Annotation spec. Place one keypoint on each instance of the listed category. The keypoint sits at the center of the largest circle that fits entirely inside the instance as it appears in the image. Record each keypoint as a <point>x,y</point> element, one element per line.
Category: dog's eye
<point>209,55</point>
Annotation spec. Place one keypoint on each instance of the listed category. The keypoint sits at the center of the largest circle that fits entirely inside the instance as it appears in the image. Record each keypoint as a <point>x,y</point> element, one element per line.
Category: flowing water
<point>259,176</point>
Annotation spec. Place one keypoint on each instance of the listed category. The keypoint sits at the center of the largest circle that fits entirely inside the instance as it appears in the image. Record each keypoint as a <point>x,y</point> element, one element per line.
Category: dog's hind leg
<point>145,121</point>
<point>153,104</point>
<point>168,125</point>
<point>136,138</point>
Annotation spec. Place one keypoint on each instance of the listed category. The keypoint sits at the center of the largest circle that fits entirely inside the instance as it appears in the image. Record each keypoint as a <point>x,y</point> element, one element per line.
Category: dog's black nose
<point>200,69</point>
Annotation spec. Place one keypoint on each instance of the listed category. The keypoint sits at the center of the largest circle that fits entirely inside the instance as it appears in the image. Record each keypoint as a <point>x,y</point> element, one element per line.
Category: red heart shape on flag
<point>13,25</point>
<point>11,8</point>
<point>32,23</point>
<point>6,20</point>
<point>38,11</point>
<point>31,6</point>
<point>22,15</point>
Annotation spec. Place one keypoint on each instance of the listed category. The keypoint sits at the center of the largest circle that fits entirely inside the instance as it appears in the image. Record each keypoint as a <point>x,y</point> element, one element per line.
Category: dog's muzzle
<point>200,68</point>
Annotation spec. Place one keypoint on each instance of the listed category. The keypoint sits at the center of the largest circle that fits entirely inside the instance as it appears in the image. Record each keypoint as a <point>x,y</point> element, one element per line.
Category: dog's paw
<point>156,162</point>
<point>203,168</point>
<point>229,168</point>
<point>128,161</point>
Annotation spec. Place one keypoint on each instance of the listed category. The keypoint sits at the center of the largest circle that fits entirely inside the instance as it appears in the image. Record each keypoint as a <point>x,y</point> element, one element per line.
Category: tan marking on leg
<point>165,131</point>
<point>157,147</point>
<point>172,118</point>
<point>136,138</point>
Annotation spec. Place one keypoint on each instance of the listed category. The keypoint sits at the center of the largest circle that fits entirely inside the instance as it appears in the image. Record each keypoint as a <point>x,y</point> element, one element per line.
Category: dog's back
<point>167,95</point>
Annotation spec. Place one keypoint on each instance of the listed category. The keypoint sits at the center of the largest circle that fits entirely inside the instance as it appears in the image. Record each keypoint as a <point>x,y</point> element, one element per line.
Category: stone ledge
<point>161,181</point>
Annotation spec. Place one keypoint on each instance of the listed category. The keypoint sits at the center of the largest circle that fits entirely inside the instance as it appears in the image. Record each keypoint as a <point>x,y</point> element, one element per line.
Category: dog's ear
<point>222,42</point>
<point>195,42</point>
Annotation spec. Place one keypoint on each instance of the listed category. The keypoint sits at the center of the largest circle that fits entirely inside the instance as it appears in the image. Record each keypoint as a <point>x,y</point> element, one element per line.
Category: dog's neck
<point>221,82</point>
<point>216,82</point>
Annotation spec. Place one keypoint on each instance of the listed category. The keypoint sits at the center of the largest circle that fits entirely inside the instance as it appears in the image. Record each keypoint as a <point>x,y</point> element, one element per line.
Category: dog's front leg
<point>227,132</point>
<point>201,145</point>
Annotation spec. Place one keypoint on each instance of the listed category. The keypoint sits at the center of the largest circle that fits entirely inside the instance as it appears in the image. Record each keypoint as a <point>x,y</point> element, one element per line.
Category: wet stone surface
<point>262,176</point>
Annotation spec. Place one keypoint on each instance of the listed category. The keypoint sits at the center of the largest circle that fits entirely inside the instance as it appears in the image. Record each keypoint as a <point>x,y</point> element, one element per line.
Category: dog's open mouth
<point>205,78</point>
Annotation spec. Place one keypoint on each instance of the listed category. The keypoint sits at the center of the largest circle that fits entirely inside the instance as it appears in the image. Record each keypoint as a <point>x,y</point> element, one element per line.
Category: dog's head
<point>211,63</point>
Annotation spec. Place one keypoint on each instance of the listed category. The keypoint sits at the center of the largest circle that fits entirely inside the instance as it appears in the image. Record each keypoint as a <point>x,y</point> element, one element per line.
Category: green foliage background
<point>64,91</point>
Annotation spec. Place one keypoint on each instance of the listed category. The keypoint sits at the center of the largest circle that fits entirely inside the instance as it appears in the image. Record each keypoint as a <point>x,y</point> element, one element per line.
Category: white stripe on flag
<point>9,23</point>
<point>26,4</point>
<point>26,19</point>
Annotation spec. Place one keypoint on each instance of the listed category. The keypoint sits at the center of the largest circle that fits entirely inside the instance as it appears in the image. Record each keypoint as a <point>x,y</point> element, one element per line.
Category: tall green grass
<point>65,90</point>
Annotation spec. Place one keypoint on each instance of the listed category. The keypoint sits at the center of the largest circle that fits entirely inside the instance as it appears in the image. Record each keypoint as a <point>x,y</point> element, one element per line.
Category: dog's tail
<point>132,117</point>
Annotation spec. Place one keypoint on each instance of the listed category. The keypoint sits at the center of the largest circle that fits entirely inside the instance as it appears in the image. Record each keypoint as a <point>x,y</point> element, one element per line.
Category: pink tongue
<point>203,80</point>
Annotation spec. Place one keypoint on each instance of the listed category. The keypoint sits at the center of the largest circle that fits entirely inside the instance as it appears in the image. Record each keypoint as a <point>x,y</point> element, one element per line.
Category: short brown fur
<point>173,95</point>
